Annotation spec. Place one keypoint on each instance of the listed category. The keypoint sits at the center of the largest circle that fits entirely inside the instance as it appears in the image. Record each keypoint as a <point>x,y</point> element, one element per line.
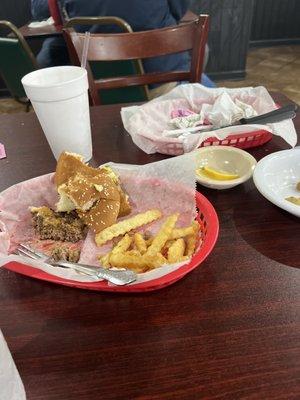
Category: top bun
<point>71,163</point>
<point>81,192</point>
<point>89,191</point>
<point>68,165</point>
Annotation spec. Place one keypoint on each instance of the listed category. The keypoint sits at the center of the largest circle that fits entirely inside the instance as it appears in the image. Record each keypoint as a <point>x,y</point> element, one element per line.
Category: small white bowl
<point>228,159</point>
<point>276,177</point>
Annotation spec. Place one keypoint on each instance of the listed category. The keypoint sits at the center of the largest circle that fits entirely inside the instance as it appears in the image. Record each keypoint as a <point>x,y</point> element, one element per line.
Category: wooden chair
<point>104,69</point>
<point>16,60</point>
<point>55,12</point>
<point>130,46</point>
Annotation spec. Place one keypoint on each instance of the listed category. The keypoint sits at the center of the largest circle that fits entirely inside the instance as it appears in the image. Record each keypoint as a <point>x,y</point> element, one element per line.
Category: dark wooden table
<point>52,30</point>
<point>228,330</point>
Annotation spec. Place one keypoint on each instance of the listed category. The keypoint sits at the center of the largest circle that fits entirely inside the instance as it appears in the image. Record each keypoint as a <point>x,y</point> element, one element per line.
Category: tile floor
<point>9,106</point>
<point>276,68</point>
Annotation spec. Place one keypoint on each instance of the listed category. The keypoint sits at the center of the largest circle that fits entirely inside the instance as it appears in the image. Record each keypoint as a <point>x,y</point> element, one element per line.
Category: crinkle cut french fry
<point>120,247</point>
<point>104,260</point>
<point>123,245</point>
<point>176,251</point>
<point>168,244</point>
<point>133,252</point>
<point>140,243</point>
<point>191,240</point>
<point>165,249</point>
<point>136,263</point>
<point>122,227</point>
<point>163,235</point>
<point>149,241</point>
<point>181,232</point>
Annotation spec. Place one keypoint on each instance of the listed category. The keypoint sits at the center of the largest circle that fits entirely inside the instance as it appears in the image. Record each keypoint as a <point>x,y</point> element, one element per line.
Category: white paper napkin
<point>40,24</point>
<point>11,385</point>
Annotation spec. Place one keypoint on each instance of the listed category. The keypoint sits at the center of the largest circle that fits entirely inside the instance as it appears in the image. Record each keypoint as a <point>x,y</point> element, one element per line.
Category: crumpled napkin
<point>227,111</point>
<point>40,24</point>
<point>11,385</point>
<point>223,112</point>
<point>185,118</point>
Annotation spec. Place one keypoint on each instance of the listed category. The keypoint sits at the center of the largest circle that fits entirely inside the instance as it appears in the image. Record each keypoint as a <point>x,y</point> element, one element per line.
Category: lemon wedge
<point>215,174</point>
<point>294,200</point>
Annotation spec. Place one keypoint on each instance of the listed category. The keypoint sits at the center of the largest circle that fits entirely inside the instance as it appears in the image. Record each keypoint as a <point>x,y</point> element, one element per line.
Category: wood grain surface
<point>42,32</point>
<point>228,330</point>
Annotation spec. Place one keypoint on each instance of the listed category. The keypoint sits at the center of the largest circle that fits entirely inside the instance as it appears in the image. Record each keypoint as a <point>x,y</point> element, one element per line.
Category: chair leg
<point>28,105</point>
<point>24,101</point>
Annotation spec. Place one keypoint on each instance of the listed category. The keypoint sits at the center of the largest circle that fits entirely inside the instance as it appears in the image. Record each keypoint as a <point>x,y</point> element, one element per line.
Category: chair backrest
<point>140,45</point>
<point>16,60</point>
<point>105,69</point>
<point>55,12</point>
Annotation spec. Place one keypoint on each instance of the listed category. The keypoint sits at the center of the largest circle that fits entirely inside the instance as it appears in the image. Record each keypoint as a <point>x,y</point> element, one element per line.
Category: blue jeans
<point>53,53</point>
<point>205,81</point>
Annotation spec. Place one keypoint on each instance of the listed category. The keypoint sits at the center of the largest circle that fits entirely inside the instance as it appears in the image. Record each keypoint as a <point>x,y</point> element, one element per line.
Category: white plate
<point>276,177</point>
<point>228,159</point>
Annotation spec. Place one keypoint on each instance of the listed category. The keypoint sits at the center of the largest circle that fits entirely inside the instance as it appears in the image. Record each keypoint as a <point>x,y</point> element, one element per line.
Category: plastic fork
<point>115,277</point>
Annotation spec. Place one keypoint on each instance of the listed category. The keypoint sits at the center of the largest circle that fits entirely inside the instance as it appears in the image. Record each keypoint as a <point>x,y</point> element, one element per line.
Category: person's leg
<point>206,81</point>
<point>161,89</point>
<point>53,53</point>
<point>206,57</point>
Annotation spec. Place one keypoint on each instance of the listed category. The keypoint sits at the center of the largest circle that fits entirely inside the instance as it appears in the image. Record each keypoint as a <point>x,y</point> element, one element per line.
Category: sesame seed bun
<point>69,167</point>
<point>95,193</point>
<point>102,215</point>
<point>83,191</point>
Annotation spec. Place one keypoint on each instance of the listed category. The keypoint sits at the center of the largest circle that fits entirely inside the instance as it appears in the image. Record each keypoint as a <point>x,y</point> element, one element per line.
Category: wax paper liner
<point>168,185</point>
<point>147,123</point>
<point>11,385</point>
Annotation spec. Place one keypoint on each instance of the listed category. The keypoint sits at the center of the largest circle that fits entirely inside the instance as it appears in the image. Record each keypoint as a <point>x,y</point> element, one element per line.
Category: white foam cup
<point>59,96</point>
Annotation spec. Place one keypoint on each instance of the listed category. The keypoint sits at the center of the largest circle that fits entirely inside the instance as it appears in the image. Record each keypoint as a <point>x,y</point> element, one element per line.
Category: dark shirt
<point>141,15</point>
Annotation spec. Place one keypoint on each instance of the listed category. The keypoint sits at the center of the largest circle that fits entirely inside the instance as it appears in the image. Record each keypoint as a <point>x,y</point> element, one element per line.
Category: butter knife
<point>281,114</point>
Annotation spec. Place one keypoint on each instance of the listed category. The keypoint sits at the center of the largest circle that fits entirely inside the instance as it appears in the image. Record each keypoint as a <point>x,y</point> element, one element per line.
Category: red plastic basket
<point>172,147</point>
<point>242,141</point>
<point>209,223</point>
